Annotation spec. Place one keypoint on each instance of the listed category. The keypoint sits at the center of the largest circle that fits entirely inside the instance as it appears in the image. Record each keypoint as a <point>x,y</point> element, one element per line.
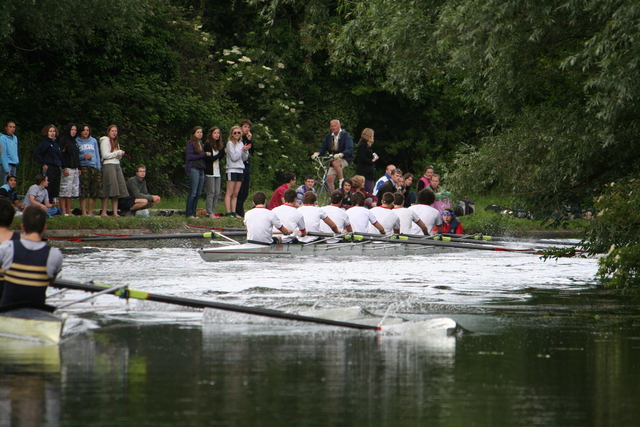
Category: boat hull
<point>251,250</point>
<point>29,323</point>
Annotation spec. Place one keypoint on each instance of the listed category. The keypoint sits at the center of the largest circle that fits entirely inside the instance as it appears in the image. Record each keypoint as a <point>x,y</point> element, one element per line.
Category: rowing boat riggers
<point>27,279</point>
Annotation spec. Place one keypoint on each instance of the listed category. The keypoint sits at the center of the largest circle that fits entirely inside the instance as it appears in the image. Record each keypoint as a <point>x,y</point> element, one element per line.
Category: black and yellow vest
<point>26,280</point>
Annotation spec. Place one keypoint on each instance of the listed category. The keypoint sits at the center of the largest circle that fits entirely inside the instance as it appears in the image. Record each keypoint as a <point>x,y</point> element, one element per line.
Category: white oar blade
<point>439,327</point>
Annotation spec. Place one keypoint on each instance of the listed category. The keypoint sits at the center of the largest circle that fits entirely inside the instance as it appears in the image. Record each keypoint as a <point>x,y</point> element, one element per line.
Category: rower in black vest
<point>29,264</point>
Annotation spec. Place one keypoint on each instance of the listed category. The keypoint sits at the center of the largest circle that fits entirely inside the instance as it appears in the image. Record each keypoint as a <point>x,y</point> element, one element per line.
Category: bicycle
<point>322,165</point>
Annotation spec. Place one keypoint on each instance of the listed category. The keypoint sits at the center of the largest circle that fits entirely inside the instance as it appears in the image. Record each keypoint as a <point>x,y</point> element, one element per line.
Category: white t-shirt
<point>360,218</point>
<point>260,222</point>
<point>292,219</point>
<point>407,219</point>
<point>387,218</point>
<point>337,215</point>
<point>313,217</point>
<point>430,216</point>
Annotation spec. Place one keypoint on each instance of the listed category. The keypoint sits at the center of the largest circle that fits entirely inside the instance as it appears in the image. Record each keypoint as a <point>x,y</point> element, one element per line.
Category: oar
<point>334,236</point>
<point>407,240</point>
<point>504,239</point>
<point>208,227</point>
<point>207,235</point>
<point>218,234</point>
<point>188,302</point>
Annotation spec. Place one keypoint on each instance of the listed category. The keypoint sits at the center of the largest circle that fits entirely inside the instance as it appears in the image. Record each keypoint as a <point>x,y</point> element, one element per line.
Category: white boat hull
<point>252,250</point>
<point>31,324</point>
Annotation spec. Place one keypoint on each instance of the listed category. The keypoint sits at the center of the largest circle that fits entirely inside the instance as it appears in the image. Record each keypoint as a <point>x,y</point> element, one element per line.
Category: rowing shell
<point>31,323</point>
<point>252,250</point>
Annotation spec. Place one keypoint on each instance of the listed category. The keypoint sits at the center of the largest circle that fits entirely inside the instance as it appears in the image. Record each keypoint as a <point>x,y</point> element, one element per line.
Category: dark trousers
<point>53,174</point>
<point>244,189</point>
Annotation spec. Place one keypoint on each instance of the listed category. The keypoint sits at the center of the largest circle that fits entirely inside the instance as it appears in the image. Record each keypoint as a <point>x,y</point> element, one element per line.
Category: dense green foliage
<point>536,101</point>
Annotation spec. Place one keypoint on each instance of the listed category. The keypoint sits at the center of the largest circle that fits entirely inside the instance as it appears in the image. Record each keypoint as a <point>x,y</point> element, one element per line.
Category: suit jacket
<point>345,145</point>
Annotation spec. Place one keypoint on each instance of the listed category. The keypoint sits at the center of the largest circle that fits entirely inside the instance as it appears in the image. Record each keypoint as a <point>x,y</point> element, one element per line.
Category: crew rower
<point>29,264</point>
<point>260,222</point>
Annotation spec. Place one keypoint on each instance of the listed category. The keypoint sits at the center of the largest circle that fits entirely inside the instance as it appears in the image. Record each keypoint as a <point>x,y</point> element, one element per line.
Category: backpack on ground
<point>467,205</point>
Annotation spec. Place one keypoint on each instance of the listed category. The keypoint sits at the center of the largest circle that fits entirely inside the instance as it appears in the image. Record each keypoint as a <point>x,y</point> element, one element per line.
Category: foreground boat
<point>31,322</point>
<point>253,250</point>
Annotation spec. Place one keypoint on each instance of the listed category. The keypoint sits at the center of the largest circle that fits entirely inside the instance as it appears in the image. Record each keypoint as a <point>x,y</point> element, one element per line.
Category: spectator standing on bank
<point>49,156</point>
<point>90,170</point>
<point>9,157</point>
<point>70,179</point>
<point>247,139</point>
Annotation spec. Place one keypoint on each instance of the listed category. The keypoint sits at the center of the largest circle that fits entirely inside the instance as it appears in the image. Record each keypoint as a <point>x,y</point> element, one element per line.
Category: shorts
<point>70,184</point>
<point>126,204</point>
<point>234,176</point>
<point>90,182</point>
<point>332,171</point>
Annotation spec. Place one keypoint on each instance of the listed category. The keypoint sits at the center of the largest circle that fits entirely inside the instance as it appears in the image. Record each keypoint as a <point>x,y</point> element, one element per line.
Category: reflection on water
<point>29,383</point>
<point>543,346</point>
<point>149,374</point>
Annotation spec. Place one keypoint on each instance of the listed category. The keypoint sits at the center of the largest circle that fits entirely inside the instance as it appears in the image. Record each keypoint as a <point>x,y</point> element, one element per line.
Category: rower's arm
<point>424,228</point>
<point>332,225</point>
<point>379,227</point>
<point>284,230</point>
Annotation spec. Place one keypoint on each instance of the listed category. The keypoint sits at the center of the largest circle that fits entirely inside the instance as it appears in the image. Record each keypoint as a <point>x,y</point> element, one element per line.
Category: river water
<point>539,344</point>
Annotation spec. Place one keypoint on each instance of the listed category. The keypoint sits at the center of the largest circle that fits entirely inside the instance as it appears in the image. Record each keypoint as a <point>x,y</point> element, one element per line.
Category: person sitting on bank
<point>7,212</point>
<point>260,222</point>
<point>357,186</point>
<point>29,264</point>
<point>346,193</point>
<point>392,185</point>
<point>384,178</point>
<point>309,181</point>
<point>278,196</point>
<point>139,197</point>
<point>37,195</point>
<point>8,191</point>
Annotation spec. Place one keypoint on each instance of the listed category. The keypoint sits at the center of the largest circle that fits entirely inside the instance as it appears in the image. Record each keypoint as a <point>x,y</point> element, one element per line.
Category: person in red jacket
<point>451,223</point>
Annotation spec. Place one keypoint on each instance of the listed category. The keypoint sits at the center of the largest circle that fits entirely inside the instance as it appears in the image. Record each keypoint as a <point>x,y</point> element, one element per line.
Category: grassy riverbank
<point>484,221</point>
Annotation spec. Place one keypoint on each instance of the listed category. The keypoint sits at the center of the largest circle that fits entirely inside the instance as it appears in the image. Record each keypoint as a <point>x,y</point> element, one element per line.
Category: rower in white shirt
<point>290,217</point>
<point>260,222</point>
<point>430,216</point>
<point>360,217</point>
<point>313,217</point>
<point>407,217</point>
<point>385,216</point>
<point>337,214</point>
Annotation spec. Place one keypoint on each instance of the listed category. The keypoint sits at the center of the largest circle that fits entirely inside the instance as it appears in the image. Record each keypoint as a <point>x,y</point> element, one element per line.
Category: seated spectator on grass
<point>357,185</point>
<point>309,181</point>
<point>8,191</point>
<point>39,196</point>
<point>139,197</point>
<point>442,196</point>
<point>278,196</point>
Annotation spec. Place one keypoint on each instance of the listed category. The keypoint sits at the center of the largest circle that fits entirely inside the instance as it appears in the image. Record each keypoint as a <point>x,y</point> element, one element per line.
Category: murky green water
<point>544,346</point>
<point>532,373</point>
